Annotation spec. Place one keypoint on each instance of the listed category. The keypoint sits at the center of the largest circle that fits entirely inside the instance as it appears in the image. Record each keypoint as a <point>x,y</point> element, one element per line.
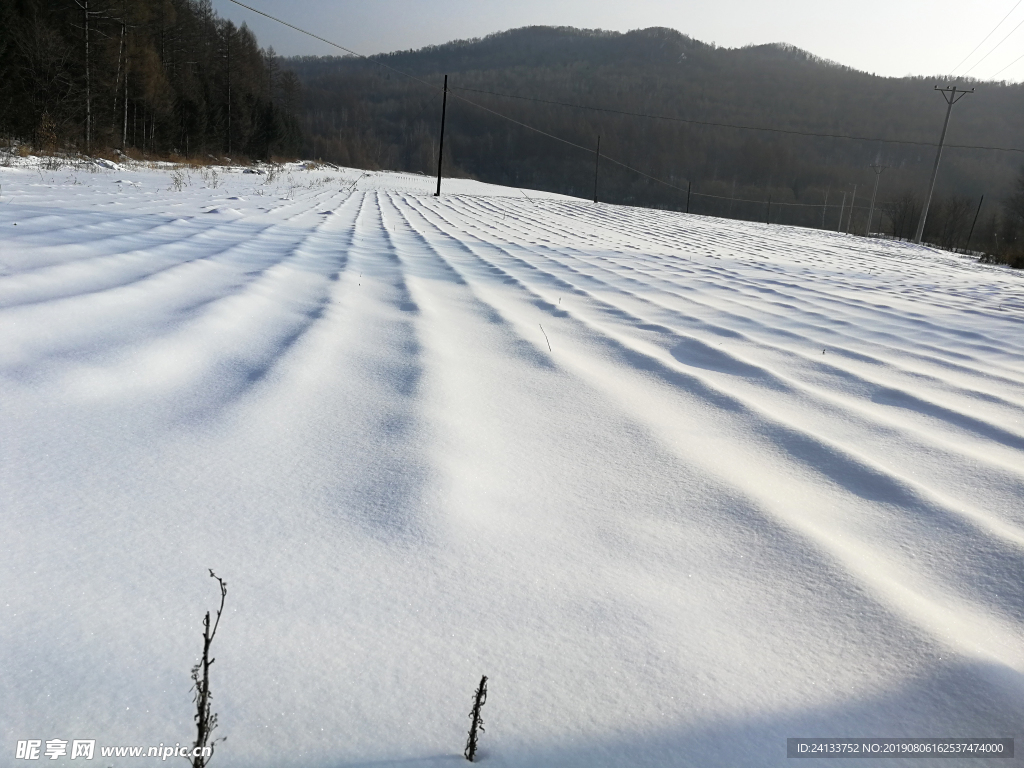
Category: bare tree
<point>1013,206</point>
<point>47,73</point>
<point>87,16</point>
<point>903,212</point>
<point>952,219</point>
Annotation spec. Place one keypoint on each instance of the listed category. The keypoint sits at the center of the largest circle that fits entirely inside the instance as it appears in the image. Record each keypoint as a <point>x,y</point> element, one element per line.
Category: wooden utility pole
<point>597,162</point>
<point>842,210</point>
<point>687,197</point>
<point>768,216</point>
<point>824,208</point>
<point>950,95</point>
<point>440,146</point>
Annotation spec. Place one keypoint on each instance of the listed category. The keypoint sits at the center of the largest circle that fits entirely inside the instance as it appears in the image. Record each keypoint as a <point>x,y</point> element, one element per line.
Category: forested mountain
<point>164,76</point>
<point>358,112</point>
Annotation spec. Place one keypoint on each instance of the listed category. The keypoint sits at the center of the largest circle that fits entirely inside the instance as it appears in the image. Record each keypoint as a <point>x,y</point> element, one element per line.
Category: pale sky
<point>888,37</point>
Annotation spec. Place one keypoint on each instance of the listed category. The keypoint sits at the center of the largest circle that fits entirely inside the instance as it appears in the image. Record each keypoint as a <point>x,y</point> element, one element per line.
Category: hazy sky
<point>889,37</point>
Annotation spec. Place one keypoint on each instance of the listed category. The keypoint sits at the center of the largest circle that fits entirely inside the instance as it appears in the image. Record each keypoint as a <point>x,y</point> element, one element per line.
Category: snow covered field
<point>681,487</point>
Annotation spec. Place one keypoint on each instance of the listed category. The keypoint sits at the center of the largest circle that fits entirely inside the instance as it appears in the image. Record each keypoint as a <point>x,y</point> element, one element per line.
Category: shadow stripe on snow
<point>695,353</point>
<point>833,462</point>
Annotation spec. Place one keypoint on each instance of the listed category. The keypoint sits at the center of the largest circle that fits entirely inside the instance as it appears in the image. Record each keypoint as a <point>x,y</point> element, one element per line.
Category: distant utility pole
<point>842,210</point>
<point>768,215</point>
<point>440,146</point>
<point>974,223</point>
<point>824,208</point>
<point>877,168</point>
<point>597,162</point>
<point>853,205</point>
<point>950,95</point>
<point>687,197</point>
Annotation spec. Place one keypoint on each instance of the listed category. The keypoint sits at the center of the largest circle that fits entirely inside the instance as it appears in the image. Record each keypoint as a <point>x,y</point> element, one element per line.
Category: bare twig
<point>478,722</point>
<point>206,719</point>
<point>545,336</point>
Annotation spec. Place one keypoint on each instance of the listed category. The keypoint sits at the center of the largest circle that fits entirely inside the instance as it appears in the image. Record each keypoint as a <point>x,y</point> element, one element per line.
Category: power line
<point>461,98</point>
<point>986,37</point>
<point>993,48</point>
<point>762,202</point>
<point>608,109</point>
<point>416,79</point>
<point>613,160</point>
<point>619,162</point>
<point>566,141</point>
<point>339,47</point>
<point>732,125</point>
<point>1010,64</point>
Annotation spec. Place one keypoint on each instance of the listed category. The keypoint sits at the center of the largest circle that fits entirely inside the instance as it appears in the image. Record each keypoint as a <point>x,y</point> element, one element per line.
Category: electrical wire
<point>339,47</point>
<point>451,90</point>
<point>460,98</point>
<point>765,202</point>
<point>570,143</point>
<point>506,117</point>
<point>732,125</point>
<point>631,114</point>
<point>994,48</point>
<point>1010,64</point>
<point>612,159</point>
<point>986,37</point>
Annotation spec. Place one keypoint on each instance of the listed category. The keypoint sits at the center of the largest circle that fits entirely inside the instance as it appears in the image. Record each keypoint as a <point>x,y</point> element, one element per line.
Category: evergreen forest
<point>153,77</point>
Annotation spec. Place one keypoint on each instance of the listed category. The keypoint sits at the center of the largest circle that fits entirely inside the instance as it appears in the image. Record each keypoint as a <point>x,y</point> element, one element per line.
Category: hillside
<point>681,487</point>
<point>359,113</point>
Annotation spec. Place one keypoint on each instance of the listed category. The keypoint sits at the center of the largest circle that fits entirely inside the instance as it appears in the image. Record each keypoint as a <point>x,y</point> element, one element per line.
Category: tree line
<point>359,113</point>
<point>149,76</point>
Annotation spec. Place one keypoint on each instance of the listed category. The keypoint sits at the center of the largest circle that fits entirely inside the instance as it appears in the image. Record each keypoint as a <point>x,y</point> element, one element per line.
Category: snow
<point>767,482</point>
